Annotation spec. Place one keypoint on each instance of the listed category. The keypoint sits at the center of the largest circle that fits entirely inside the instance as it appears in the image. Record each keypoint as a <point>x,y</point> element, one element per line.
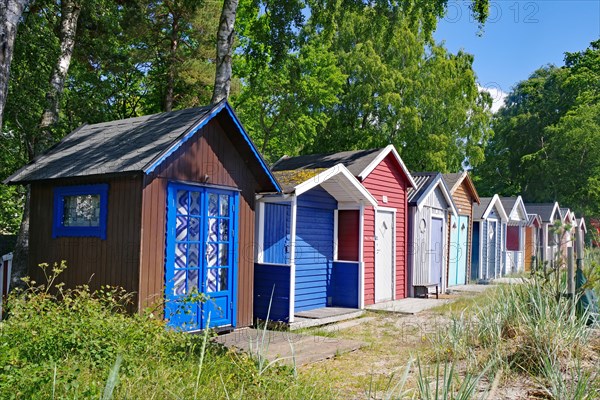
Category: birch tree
<point>225,36</point>
<point>70,11</point>
<point>10,14</point>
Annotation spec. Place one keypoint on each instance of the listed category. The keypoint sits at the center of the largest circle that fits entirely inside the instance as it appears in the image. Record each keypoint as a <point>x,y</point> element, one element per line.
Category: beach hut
<point>309,254</point>
<point>464,195</point>
<point>381,255</point>
<point>533,238</point>
<point>514,260</point>
<point>550,214</point>
<point>161,205</point>
<point>430,207</point>
<point>489,227</point>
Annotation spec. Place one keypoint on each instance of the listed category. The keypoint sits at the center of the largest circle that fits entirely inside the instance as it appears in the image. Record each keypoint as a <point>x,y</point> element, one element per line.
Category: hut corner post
<point>580,253</point>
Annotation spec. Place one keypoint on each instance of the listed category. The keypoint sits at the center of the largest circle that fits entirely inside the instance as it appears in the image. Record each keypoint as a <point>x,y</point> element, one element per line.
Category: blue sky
<point>519,37</point>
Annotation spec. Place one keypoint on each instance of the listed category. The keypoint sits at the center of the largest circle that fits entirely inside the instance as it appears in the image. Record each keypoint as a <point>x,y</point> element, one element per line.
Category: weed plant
<point>60,343</point>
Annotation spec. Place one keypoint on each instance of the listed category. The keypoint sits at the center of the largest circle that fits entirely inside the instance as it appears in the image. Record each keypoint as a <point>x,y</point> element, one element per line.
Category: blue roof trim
<point>184,139</point>
<point>218,108</point>
<point>252,147</point>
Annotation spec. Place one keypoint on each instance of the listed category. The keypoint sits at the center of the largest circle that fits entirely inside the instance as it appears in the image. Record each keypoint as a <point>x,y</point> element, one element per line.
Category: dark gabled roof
<point>479,209</point>
<point>356,161</point>
<point>132,145</point>
<point>508,203</point>
<point>292,178</point>
<point>544,210</point>
<point>126,145</point>
<point>452,179</point>
<point>423,180</point>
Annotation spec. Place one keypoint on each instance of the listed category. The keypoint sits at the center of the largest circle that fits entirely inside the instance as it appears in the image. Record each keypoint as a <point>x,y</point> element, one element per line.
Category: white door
<point>384,256</point>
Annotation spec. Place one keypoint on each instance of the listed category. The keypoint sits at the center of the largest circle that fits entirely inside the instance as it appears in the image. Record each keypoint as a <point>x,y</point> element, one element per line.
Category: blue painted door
<point>491,249</point>
<point>459,234</point>
<point>201,257</point>
<point>475,256</point>
<point>436,248</point>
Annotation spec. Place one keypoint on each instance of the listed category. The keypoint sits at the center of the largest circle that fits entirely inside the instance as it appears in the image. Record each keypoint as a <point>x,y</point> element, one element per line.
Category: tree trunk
<point>225,36</point>
<point>69,15</point>
<point>169,94</point>
<point>68,27</point>
<point>21,252</point>
<point>10,14</point>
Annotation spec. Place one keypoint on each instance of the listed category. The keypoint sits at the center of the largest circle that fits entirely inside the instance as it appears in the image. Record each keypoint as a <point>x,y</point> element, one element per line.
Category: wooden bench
<point>423,290</point>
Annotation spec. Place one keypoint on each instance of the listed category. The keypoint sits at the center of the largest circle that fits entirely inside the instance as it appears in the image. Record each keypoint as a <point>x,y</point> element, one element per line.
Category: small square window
<point>80,211</point>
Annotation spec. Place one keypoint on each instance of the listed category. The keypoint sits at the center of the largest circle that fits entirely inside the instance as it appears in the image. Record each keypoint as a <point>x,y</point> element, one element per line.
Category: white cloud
<point>498,95</point>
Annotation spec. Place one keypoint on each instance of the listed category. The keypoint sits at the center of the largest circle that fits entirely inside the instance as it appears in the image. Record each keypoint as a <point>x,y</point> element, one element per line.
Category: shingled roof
<point>453,181</point>
<point>359,162</point>
<point>479,210</point>
<point>544,210</point>
<point>130,145</point>
<point>356,161</point>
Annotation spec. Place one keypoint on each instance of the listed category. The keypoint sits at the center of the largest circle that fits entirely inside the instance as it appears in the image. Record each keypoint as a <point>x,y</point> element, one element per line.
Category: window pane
<point>81,210</point>
<point>223,254</point>
<point>213,207</point>
<point>180,255</point>
<point>224,230</point>
<point>193,280</point>
<point>193,255</point>
<point>212,230</point>
<point>194,229</point>
<point>224,205</point>
<point>216,280</point>
<point>182,202</point>
<point>179,282</point>
<point>181,228</point>
<point>195,203</point>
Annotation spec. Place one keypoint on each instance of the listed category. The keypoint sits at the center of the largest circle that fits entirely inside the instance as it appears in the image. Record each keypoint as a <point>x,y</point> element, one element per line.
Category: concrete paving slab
<point>409,305</point>
<point>323,316</point>
<point>325,312</point>
<point>286,347</point>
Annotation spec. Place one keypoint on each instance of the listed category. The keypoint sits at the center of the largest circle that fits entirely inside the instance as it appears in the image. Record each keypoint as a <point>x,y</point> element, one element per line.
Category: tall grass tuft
<point>65,342</point>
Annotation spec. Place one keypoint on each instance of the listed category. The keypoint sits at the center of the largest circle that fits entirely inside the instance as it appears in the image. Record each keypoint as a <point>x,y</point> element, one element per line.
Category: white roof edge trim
<point>488,210</point>
<point>523,209</point>
<point>382,155</point>
<point>330,173</point>
<point>581,224</point>
<point>438,181</point>
<point>554,209</point>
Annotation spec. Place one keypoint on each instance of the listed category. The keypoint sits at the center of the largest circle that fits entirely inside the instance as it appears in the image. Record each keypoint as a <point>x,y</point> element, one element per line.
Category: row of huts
<point>175,204</point>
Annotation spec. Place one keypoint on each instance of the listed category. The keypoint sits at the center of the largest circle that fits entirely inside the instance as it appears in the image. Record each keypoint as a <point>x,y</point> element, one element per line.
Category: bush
<point>60,343</point>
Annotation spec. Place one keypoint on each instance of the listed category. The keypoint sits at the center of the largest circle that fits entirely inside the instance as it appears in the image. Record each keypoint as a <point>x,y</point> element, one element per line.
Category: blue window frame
<point>80,211</point>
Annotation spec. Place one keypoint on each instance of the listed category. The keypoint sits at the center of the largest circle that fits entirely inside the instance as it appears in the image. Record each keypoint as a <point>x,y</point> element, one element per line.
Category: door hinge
<point>231,305</point>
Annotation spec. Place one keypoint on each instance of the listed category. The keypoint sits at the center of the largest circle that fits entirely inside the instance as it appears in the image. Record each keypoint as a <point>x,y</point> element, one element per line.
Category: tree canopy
<point>547,137</point>
<point>308,76</point>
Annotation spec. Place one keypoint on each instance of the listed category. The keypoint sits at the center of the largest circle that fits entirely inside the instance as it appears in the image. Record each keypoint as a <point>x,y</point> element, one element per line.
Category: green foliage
<point>343,85</point>
<point>550,127</point>
<point>79,344</point>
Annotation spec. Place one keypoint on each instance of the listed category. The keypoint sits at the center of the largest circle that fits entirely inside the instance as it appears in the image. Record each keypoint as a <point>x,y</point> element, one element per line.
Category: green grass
<point>77,344</point>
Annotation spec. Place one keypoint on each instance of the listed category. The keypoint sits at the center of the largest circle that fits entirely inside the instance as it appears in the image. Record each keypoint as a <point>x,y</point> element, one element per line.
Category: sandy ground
<point>392,341</point>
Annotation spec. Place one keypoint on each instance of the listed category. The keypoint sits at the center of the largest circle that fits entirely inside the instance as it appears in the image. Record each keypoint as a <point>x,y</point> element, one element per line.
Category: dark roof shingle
<point>126,145</point>
<point>356,161</point>
<point>544,210</point>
